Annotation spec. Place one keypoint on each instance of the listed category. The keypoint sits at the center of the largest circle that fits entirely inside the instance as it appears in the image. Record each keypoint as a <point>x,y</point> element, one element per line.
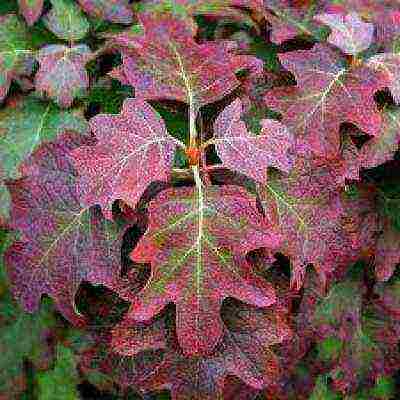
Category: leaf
<point>387,252</point>
<point>366,331</point>
<point>61,382</point>
<point>16,345</point>
<point>246,152</point>
<point>327,94</point>
<point>322,391</point>
<point>389,64</point>
<point>289,19</point>
<point>203,378</point>
<point>117,11</point>
<point>31,10</point>
<point>319,226</point>
<point>167,63</point>
<point>191,242</point>
<point>15,51</point>
<point>187,9</point>
<point>26,125</point>
<point>381,149</point>
<point>66,243</point>
<point>349,32</point>
<point>62,73</point>
<point>66,21</point>
<point>128,142</point>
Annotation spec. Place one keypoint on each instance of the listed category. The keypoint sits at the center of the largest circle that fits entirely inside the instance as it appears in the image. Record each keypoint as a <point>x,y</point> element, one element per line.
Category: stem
<point>192,124</point>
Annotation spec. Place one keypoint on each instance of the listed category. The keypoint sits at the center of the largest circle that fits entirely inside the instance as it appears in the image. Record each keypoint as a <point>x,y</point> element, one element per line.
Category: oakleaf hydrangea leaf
<point>22,337</point>
<point>246,152</point>
<point>327,94</point>
<point>320,228</point>
<point>117,11</point>
<point>27,124</point>
<point>349,32</point>
<point>203,378</point>
<point>31,10</point>
<point>15,51</point>
<point>381,149</point>
<point>191,242</point>
<point>167,63</point>
<point>61,243</point>
<point>66,20</point>
<point>389,64</point>
<point>62,75</point>
<point>133,150</point>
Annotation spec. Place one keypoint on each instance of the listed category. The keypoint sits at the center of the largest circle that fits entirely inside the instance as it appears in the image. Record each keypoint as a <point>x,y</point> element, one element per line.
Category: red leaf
<point>248,153</point>
<point>192,241</point>
<point>326,95</point>
<point>117,11</point>
<point>245,351</point>
<point>133,150</point>
<point>349,32</point>
<point>61,243</point>
<point>62,73</point>
<point>166,63</point>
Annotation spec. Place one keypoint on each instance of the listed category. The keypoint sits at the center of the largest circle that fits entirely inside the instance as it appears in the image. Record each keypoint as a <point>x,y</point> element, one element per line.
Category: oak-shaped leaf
<point>389,64</point>
<point>289,19</point>
<point>247,152</point>
<point>117,11</point>
<point>66,20</point>
<point>31,10</point>
<point>62,74</point>
<point>61,244</point>
<point>320,225</point>
<point>327,94</point>
<point>193,242</point>
<point>349,32</point>
<point>188,9</point>
<point>133,150</point>
<point>15,51</point>
<point>357,339</point>
<point>246,351</point>
<point>382,148</point>
<point>167,63</point>
<point>24,125</point>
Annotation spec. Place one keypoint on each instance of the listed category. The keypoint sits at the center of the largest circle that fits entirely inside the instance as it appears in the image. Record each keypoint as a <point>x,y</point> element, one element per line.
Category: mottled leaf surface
<point>15,51</point>
<point>133,150</point>
<point>31,10</point>
<point>246,351</point>
<point>348,32</point>
<point>389,64</point>
<point>319,227</point>
<point>192,241</point>
<point>66,20</point>
<point>118,11</point>
<point>61,243</point>
<point>327,94</point>
<point>62,74</point>
<point>28,123</point>
<point>247,152</point>
<point>167,63</point>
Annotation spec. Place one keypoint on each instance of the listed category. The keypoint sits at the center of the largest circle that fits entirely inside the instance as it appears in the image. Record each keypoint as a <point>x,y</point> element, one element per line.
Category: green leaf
<point>60,383</point>
<point>322,391</point>
<point>67,21</point>
<point>28,124</point>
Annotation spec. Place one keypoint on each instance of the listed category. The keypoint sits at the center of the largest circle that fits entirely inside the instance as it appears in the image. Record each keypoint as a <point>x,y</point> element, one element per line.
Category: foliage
<point>199,200</point>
